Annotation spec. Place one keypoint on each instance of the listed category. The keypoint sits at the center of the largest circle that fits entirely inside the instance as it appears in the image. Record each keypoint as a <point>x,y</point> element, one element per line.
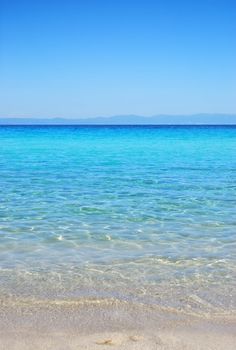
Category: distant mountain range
<point>195,119</point>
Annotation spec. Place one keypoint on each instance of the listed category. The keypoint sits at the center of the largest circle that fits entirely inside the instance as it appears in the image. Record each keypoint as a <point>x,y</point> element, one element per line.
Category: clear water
<point>136,213</point>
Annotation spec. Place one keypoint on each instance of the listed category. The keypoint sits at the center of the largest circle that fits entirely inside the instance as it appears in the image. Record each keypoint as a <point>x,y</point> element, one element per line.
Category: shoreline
<point>97,324</point>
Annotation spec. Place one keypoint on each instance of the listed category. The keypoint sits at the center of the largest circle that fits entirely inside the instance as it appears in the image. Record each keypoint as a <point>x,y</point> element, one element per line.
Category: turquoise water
<point>136,213</point>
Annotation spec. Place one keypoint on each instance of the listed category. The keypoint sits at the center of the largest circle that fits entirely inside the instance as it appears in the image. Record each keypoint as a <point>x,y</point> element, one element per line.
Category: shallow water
<point>137,213</point>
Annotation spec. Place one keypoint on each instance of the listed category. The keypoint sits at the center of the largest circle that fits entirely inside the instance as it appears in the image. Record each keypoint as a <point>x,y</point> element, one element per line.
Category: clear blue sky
<point>90,58</point>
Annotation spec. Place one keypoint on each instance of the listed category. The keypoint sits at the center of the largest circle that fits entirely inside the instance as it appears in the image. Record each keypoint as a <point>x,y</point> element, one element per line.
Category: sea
<point>141,214</point>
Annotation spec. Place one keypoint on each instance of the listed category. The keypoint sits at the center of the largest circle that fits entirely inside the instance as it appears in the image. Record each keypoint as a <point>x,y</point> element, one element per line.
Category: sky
<point>89,58</point>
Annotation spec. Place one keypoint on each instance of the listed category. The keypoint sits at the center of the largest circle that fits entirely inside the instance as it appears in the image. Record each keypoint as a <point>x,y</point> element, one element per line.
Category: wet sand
<point>101,324</point>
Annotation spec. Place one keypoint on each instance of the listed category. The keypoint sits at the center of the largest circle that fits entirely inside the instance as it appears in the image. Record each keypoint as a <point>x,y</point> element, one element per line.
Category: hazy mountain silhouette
<point>195,119</point>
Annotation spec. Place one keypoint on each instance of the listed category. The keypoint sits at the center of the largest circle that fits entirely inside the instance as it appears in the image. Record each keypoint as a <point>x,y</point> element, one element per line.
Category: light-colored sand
<point>130,340</point>
<point>109,324</point>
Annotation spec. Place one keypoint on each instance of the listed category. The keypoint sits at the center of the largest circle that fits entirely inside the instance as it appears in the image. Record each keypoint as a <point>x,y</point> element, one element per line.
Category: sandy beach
<point>100,324</point>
